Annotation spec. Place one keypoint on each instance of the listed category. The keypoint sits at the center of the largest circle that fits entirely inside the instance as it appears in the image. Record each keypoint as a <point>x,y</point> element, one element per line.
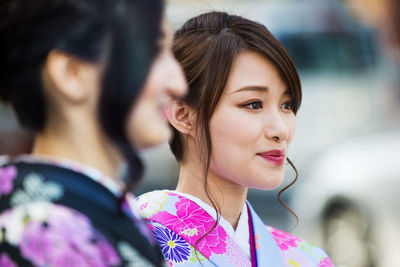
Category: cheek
<point>146,127</point>
<point>234,128</point>
<point>234,138</point>
<point>150,89</point>
<point>291,125</point>
<point>153,86</point>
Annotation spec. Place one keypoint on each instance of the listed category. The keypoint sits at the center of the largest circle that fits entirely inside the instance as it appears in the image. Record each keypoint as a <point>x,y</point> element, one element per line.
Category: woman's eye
<point>288,105</point>
<point>254,105</point>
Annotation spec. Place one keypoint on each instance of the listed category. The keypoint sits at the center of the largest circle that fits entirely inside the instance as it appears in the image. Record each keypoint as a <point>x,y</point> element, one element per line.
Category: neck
<point>83,144</point>
<point>228,196</point>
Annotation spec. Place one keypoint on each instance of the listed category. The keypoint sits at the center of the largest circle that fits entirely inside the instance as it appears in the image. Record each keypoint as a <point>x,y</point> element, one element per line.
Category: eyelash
<point>289,105</point>
<point>251,105</point>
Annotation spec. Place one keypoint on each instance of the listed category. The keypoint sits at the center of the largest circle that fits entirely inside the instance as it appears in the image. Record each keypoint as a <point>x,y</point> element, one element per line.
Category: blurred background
<point>347,146</point>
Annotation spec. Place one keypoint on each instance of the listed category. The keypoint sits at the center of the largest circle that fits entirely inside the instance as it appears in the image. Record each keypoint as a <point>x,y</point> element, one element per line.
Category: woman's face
<point>147,125</point>
<point>253,125</point>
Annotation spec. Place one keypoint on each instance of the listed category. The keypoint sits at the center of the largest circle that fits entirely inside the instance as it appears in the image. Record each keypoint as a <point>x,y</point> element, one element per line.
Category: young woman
<point>233,131</point>
<point>89,78</point>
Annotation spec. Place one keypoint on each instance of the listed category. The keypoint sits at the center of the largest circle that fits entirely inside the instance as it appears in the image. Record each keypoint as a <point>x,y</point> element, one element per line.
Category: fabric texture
<point>240,235</point>
<point>187,237</point>
<point>52,214</point>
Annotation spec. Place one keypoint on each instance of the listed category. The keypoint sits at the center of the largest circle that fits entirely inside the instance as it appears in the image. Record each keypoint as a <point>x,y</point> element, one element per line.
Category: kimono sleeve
<point>297,252</point>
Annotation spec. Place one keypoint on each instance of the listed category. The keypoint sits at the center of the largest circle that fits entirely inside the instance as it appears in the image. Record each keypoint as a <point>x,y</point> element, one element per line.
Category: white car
<point>350,201</point>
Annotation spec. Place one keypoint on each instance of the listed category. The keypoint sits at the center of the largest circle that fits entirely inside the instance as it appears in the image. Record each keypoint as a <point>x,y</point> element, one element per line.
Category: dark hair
<point>121,33</point>
<point>206,46</point>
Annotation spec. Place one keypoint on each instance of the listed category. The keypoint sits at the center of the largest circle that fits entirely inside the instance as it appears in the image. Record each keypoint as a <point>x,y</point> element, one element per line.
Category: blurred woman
<point>89,79</point>
<point>233,131</point>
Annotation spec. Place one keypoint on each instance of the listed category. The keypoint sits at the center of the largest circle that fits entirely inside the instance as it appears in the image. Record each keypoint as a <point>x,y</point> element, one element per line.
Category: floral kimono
<point>186,237</point>
<point>60,213</point>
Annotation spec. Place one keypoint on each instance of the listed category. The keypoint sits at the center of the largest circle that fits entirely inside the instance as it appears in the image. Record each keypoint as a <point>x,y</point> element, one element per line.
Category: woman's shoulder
<point>43,233</point>
<point>61,170</point>
<point>21,184</point>
<point>155,201</point>
<point>161,203</point>
<point>151,195</point>
<point>33,231</point>
<point>42,205</point>
<point>297,251</point>
<point>26,180</point>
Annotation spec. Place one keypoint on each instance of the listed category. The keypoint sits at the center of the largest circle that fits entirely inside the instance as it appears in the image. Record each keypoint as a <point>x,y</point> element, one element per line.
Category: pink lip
<point>277,157</point>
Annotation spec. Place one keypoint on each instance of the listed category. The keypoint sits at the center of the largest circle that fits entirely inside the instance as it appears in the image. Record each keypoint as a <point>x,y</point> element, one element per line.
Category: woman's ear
<point>181,116</point>
<point>70,77</point>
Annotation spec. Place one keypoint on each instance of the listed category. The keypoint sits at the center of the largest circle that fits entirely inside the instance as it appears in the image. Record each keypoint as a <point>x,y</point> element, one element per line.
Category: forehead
<point>253,69</point>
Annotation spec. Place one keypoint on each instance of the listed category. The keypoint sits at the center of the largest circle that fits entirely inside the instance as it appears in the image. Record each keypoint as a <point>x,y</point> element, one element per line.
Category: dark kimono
<point>61,213</point>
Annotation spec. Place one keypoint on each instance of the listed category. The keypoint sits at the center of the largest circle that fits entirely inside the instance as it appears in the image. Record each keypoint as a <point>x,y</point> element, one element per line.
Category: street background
<point>346,147</point>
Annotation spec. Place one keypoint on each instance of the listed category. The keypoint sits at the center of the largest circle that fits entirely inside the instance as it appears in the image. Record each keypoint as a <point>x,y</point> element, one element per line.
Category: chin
<point>266,187</point>
<point>154,137</point>
<point>269,184</point>
<point>267,179</point>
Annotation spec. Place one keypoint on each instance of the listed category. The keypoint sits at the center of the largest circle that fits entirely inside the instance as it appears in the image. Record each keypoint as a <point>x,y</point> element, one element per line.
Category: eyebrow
<point>258,89</point>
<point>252,88</point>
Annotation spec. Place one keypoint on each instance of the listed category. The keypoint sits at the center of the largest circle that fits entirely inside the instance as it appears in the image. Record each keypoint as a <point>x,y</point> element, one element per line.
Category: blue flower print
<point>172,245</point>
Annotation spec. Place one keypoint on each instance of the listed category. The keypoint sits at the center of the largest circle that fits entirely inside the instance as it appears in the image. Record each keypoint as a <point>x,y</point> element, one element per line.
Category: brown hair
<point>206,47</point>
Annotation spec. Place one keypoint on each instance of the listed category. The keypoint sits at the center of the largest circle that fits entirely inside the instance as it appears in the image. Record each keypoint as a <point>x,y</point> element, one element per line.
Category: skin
<point>165,79</point>
<point>254,115</point>
<point>72,130</point>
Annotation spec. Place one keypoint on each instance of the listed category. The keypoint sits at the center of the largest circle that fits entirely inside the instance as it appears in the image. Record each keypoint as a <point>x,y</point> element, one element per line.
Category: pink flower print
<point>7,175</point>
<point>284,240</point>
<point>192,222</point>
<point>326,262</point>
<point>34,246</point>
<point>256,236</point>
<point>144,205</point>
<point>214,242</point>
<point>106,251</point>
<point>5,261</point>
<point>236,256</point>
<point>66,239</point>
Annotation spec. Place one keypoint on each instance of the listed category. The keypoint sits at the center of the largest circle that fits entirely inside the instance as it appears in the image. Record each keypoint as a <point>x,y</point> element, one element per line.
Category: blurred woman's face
<point>148,125</point>
<point>253,125</point>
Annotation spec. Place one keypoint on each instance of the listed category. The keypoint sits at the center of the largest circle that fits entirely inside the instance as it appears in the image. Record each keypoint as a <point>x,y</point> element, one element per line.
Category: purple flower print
<point>66,239</point>
<point>106,251</point>
<point>7,175</point>
<point>174,248</point>
<point>5,261</point>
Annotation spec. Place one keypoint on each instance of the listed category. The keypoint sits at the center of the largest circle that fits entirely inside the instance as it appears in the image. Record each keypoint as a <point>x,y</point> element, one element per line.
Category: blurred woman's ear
<point>181,116</point>
<point>70,78</point>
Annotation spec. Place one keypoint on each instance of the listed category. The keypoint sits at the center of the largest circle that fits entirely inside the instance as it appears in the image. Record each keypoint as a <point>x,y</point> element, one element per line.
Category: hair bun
<point>4,91</point>
<point>4,94</point>
<point>5,10</point>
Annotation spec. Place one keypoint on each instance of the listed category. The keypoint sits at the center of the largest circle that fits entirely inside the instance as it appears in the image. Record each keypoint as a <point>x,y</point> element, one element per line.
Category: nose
<point>176,81</point>
<point>276,127</point>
